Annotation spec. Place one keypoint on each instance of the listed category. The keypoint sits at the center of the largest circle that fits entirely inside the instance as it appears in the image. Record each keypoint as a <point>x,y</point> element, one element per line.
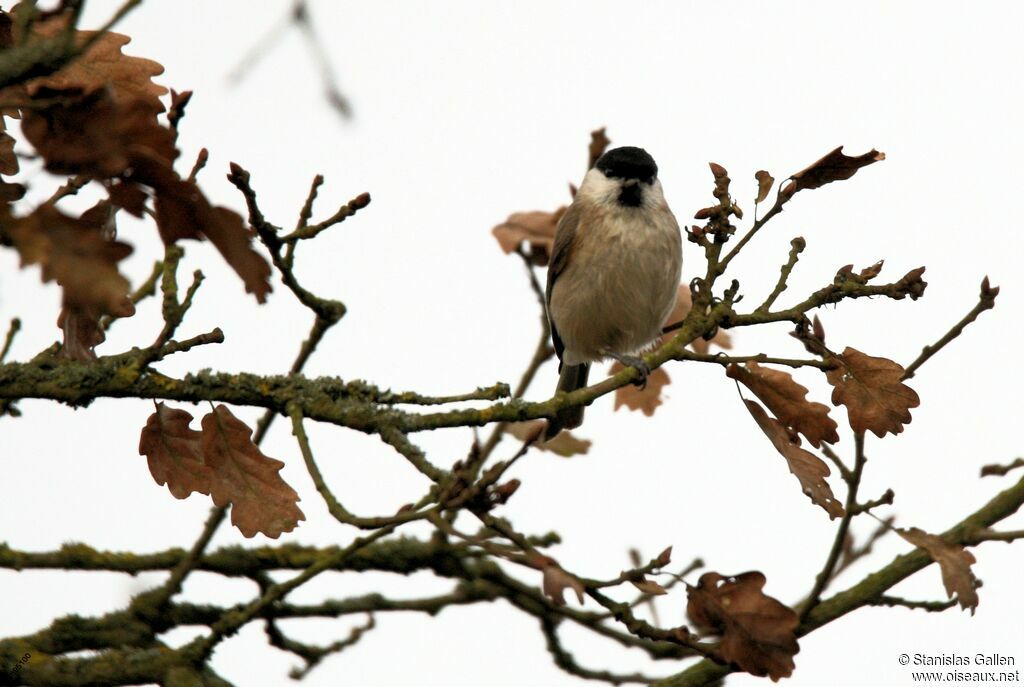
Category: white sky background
<point>468,111</point>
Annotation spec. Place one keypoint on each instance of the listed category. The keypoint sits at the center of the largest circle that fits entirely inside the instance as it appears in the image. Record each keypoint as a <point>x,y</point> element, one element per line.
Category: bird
<point>613,273</point>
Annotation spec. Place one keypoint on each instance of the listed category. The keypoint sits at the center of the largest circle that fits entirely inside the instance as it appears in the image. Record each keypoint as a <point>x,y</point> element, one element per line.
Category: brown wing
<point>565,234</point>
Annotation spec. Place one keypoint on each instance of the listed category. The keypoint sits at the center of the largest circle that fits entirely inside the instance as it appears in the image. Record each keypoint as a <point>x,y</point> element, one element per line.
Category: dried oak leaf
<point>764,185</point>
<point>808,468</point>
<point>871,389</point>
<point>645,400</point>
<point>95,135</point>
<point>174,452</point>
<point>833,167</point>
<point>246,478</point>
<point>954,561</point>
<point>103,65</point>
<point>787,400</point>
<point>556,581</point>
<point>184,212</point>
<point>758,632</point>
<point>565,444</point>
<point>536,228</point>
<point>75,254</point>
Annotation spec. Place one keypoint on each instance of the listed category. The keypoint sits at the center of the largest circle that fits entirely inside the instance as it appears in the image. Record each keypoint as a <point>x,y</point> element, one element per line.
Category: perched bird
<point>613,274</point>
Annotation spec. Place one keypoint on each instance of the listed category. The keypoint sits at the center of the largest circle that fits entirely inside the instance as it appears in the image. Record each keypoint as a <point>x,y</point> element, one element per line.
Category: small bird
<point>613,274</point>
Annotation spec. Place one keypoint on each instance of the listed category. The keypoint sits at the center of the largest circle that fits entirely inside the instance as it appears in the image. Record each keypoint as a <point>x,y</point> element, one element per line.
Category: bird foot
<point>638,364</point>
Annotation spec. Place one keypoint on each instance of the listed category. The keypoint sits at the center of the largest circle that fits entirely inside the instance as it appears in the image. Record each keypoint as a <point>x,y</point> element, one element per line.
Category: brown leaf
<point>536,228</point>
<point>95,134</point>
<point>174,452</point>
<point>808,468</point>
<point>649,587</point>
<point>758,632</point>
<point>82,332</point>
<point>103,65</point>
<point>183,212</point>
<point>645,400</point>
<point>665,557</point>
<point>246,478</point>
<point>833,167</point>
<point>228,232</point>
<point>787,400</point>
<point>872,392</point>
<point>75,254</point>
<point>565,444</point>
<point>764,185</point>
<point>556,581</point>
<point>129,196</point>
<point>598,144</point>
<point>954,561</point>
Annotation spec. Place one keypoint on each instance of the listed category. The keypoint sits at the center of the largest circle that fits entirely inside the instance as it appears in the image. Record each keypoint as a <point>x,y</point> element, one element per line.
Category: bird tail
<point>571,378</point>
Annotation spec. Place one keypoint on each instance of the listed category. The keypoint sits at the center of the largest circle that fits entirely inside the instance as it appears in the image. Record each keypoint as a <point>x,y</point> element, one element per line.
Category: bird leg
<point>638,364</point>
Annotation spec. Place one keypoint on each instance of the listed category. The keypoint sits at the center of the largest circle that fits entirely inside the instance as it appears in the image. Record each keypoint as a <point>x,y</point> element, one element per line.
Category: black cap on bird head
<point>628,162</point>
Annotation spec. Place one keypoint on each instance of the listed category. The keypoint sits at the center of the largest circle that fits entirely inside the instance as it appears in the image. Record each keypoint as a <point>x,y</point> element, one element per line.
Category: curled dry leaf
<point>871,389</point>
<point>536,228</point>
<point>764,185</point>
<point>808,468</point>
<point>556,581</point>
<point>174,452</point>
<point>787,400</point>
<point>954,561</point>
<point>246,478</point>
<point>565,444</point>
<point>833,167</point>
<point>758,632</point>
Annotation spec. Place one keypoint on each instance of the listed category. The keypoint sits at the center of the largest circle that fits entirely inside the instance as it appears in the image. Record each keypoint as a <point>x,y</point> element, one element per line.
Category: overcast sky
<point>467,111</point>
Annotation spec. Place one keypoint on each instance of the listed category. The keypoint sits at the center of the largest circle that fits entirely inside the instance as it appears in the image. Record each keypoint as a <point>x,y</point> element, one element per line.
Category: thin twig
<point>490,393</point>
<point>991,469</point>
<point>986,301</point>
<point>340,513</point>
<point>827,572</point>
<point>978,536</point>
<point>725,359</point>
<point>12,331</point>
<point>200,648</point>
<point>567,662</point>
<point>900,602</point>
<point>798,244</point>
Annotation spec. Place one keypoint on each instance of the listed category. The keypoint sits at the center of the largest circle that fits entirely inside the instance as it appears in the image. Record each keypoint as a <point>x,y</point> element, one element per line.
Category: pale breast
<point>619,285</point>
